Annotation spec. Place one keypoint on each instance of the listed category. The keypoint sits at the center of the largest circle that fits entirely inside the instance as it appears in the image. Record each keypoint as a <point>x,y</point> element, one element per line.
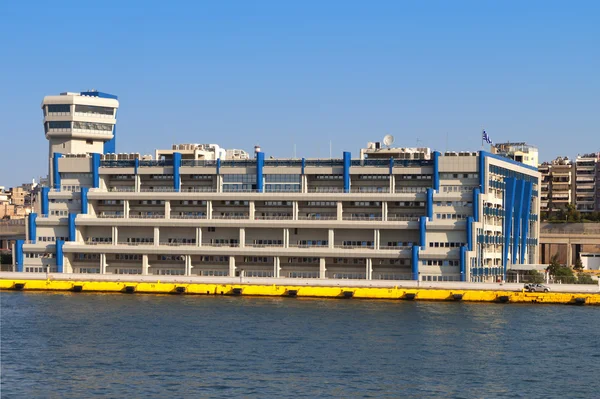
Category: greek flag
<point>486,138</point>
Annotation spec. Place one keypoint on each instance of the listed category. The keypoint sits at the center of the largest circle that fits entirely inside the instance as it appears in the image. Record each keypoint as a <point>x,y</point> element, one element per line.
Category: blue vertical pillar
<point>482,171</point>
<point>347,163</point>
<point>303,165</point>
<point>176,176</point>
<point>72,217</point>
<point>19,255</point>
<point>422,230</point>
<point>110,147</point>
<point>260,163</point>
<point>470,233</point>
<point>84,200</point>
<point>476,193</point>
<point>436,171</point>
<point>509,202</point>
<point>391,166</point>
<point>95,170</point>
<point>45,207</point>
<point>527,192</point>
<point>55,172</point>
<point>136,166</point>
<point>218,165</point>
<point>517,220</point>
<point>429,203</point>
<point>463,263</point>
<point>32,227</point>
<point>415,263</point>
<point>59,255</point>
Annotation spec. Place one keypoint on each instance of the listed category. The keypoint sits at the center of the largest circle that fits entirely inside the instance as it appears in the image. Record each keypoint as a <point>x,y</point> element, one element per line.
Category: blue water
<point>83,345</point>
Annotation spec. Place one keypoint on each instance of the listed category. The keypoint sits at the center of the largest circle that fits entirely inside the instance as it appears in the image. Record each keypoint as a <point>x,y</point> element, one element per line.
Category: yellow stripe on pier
<point>302,291</point>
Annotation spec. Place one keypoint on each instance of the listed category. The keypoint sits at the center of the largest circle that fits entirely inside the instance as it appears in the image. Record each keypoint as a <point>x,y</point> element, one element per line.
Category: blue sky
<point>304,73</point>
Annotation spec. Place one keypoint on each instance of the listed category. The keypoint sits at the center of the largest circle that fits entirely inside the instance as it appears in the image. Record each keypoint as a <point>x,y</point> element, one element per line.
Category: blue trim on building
<point>55,172</point>
<point>110,147</point>
<point>136,165</point>
<point>72,217</point>
<point>84,200</point>
<point>470,233</point>
<point>415,262</point>
<point>176,176</point>
<point>517,220</point>
<point>482,171</point>
<point>95,170</point>
<point>347,162</point>
<point>32,227</point>
<point>59,256</point>
<point>303,165</point>
<point>526,211</point>
<point>45,202</point>
<point>19,255</point>
<point>260,163</point>
<point>391,165</point>
<point>422,231</point>
<point>436,171</point>
<point>476,193</point>
<point>98,94</point>
<point>218,165</point>
<point>463,263</point>
<point>509,201</point>
<point>429,203</point>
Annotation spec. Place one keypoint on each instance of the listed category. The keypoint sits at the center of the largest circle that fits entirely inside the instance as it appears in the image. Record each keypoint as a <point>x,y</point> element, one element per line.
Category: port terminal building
<point>201,210</point>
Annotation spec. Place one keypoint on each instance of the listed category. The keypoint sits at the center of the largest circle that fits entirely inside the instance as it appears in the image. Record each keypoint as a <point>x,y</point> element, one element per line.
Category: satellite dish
<point>388,140</point>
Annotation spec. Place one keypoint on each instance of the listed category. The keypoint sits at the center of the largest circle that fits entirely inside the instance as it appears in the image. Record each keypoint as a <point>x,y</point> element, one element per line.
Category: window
<point>59,108</point>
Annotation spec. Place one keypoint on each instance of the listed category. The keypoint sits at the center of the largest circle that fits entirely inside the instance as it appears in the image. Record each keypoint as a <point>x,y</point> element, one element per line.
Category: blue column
<point>218,165</point>
<point>347,162</point>
<point>260,163</point>
<point>463,263</point>
<point>422,230</point>
<point>136,165</point>
<point>429,203</point>
<point>45,207</point>
<point>176,176</point>
<point>517,221</point>
<point>110,147</point>
<point>19,255</point>
<point>59,255</point>
<point>391,166</point>
<point>72,217</point>
<point>84,200</point>
<point>509,202</point>
<point>415,263</point>
<point>436,172</point>
<point>482,171</point>
<point>31,224</point>
<point>55,173</point>
<point>525,218</point>
<point>303,165</point>
<point>470,233</point>
<point>476,193</point>
<point>95,170</point>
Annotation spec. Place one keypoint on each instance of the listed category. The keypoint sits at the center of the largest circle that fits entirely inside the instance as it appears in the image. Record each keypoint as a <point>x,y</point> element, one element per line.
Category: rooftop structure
<point>391,214</point>
<point>519,152</point>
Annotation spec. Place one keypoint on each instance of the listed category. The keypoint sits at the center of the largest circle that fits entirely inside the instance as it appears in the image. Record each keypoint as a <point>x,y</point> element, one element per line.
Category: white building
<point>458,216</point>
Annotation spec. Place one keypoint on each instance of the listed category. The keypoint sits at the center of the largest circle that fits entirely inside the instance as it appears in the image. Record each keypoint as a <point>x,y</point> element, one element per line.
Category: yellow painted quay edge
<point>302,291</point>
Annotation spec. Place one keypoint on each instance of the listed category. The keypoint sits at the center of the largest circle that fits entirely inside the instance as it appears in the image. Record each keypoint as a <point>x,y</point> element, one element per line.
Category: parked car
<point>536,288</point>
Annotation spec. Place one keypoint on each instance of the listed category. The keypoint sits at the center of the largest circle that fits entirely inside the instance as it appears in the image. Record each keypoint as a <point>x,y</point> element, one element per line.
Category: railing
<point>157,190</point>
<point>308,246</point>
<point>121,163</point>
<point>252,245</point>
<point>403,218</point>
<point>341,246</point>
<point>393,247</point>
<point>174,216</point>
<point>283,162</point>
<point>413,162</point>
<point>154,163</point>
<point>273,217</point>
<point>377,190</point>
<point>239,163</point>
<point>190,162</point>
<point>362,218</point>
<point>324,162</point>
<point>157,216</point>
<point>410,190</point>
<point>232,245</point>
<point>326,190</point>
<point>199,189</point>
<point>135,243</point>
<point>122,189</point>
<point>320,217</point>
<point>245,216</point>
<point>177,244</point>
<point>110,216</point>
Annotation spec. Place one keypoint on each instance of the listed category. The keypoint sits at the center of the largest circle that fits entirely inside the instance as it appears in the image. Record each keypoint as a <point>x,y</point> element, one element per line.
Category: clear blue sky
<point>279,73</point>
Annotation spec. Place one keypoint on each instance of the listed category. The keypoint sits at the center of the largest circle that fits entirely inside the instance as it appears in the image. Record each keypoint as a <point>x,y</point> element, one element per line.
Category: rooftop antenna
<point>388,140</point>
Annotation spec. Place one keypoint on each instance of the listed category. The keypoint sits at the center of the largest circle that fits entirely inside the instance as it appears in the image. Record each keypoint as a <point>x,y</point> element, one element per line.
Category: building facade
<point>410,214</point>
<point>587,184</point>
<point>520,152</point>
<point>557,184</point>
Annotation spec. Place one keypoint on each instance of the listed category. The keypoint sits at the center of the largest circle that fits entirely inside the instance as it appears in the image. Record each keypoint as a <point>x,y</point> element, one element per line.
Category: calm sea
<point>142,346</point>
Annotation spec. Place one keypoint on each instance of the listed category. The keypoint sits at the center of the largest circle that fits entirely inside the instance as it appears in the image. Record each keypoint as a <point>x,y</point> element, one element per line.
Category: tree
<point>578,265</point>
<point>554,265</point>
<point>561,274</point>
